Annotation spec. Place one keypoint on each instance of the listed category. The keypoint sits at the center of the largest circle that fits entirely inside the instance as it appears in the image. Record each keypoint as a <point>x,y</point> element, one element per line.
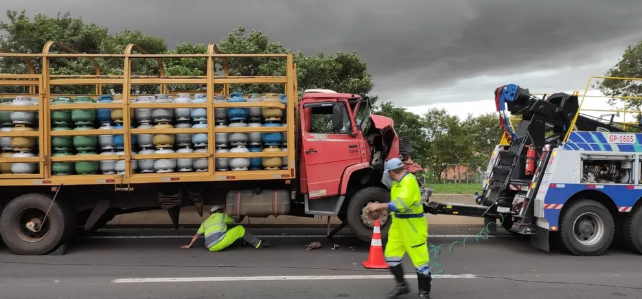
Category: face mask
<point>386,180</point>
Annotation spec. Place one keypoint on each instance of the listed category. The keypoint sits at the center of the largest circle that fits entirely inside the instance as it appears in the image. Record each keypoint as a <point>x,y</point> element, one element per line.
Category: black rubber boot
<point>425,284</point>
<point>402,287</point>
<point>255,242</point>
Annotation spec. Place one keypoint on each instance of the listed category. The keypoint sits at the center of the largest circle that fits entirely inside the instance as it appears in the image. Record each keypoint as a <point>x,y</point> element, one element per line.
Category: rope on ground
<point>435,251</point>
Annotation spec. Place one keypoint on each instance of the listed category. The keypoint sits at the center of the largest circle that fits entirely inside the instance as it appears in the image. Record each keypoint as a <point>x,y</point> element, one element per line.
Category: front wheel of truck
<point>26,231</point>
<point>360,221</point>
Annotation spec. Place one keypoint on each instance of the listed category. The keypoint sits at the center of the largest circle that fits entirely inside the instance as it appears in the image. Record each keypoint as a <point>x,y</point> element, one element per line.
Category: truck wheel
<point>587,228</point>
<point>358,219</point>
<point>33,207</point>
<point>633,230</point>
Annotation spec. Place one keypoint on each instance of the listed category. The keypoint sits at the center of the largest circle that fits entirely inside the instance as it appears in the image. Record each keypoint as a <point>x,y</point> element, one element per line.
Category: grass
<point>456,188</point>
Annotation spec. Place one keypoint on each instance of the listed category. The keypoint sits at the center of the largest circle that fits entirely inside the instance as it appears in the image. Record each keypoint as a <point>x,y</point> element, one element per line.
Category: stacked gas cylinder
<point>254,141</point>
<point>19,121</point>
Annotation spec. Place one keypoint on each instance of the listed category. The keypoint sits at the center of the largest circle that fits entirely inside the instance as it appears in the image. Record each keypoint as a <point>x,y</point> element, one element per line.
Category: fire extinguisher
<point>530,161</point>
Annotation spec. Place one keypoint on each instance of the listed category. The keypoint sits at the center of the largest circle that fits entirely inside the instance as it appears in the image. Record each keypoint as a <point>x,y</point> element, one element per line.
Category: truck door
<point>329,145</point>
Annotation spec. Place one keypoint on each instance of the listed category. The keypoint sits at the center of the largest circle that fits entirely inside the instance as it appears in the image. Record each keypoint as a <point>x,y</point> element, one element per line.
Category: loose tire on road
<point>358,201</point>
<point>633,230</point>
<point>587,228</point>
<point>56,229</point>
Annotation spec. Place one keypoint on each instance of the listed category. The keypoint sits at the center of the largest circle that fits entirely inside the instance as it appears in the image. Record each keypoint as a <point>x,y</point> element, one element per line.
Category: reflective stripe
<point>401,201</point>
<point>376,242</point>
<point>376,230</point>
<point>406,216</point>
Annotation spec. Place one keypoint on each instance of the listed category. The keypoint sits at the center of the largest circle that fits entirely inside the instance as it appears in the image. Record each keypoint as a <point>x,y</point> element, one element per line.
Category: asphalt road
<point>112,266</point>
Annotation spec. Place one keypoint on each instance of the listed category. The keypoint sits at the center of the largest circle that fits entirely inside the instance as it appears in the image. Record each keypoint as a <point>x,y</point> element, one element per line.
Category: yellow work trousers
<point>231,236</point>
<point>408,236</point>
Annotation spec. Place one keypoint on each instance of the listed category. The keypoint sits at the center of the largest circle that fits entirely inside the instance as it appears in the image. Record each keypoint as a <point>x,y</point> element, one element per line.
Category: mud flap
<point>541,240</point>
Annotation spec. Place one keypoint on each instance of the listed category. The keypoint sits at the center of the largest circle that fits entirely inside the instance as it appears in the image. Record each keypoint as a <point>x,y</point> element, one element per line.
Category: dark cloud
<point>407,44</point>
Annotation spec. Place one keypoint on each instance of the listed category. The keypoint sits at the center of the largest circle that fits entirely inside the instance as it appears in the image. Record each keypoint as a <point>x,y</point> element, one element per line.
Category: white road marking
<point>287,236</point>
<point>281,278</point>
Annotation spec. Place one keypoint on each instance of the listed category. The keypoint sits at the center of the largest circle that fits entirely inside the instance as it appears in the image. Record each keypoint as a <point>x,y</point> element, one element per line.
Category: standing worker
<point>218,237</point>
<point>409,230</point>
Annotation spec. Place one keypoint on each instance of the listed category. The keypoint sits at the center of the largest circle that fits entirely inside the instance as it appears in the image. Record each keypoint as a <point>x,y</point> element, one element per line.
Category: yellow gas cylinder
<point>272,114</point>
<point>5,167</point>
<point>272,162</point>
<point>163,140</point>
<point>117,114</point>
<point>23,143</point>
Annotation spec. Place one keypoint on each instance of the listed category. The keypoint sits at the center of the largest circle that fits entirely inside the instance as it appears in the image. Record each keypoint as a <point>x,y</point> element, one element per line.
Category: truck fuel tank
<point>257,203</point>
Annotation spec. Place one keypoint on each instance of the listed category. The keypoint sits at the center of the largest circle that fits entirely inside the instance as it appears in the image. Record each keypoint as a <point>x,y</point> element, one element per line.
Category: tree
<point>409,125</point>
<point>484,133</point>
<point>629,66</point>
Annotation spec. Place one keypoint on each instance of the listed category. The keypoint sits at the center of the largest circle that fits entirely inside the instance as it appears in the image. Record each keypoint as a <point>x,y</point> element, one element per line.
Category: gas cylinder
<point>144,115</point>
<point>61,117</point>
<point>5,142</point>
<point>108,166</point>
<point>83,116</point>
<point>530,161</point>
<point>200,164</point>
<point>23,168</point>
<point>5,167</point>
<point>222,164</point>
<point>272,162</point>
<point>237,114</point>
<point>106,142</point>
<point>163,140</point>
<point>255,137</point>
<point>199,114</point>
<point>165,165</point>
<point>5,116</point>
<point>183,140</point>
<point>62,168</point>
<point>185,165</point>
<point>61,143</point>
<point>272,114</point>
<point>147,165</point>
<point>87,167</point>
<point>182,114</point>
<point>239,163</point>
<point>285,159</point>
<point>26,143</point>
<point>284,101</point>
<point>285,136</point>
<point>162,114</point>
<point>220,138</point>
<point>272,138</point>
<point>220,114</point>
<point>84,143</point>
<point>119,165</point>
<point>117,114</point>
<point>254,112</point>
<point>145,140</point>
<point>255,163</point>
<point>238,138</point>
<point>199,139</point>
<point>22,117</point>
<point>104,115</point>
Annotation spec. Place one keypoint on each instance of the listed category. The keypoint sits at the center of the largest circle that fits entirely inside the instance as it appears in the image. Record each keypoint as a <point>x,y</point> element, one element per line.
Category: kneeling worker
<point>409,229</point>
<point>218,237</point>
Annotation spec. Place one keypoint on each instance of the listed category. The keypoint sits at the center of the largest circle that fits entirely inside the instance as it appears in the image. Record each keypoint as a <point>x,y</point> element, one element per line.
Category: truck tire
<point>54,231</point>
<point>587,228</point>
<point>633,230</point>
<point>355,211</point>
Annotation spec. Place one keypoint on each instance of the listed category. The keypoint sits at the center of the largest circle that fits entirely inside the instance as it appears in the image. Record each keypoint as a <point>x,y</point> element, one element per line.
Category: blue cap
<point>393,164</point>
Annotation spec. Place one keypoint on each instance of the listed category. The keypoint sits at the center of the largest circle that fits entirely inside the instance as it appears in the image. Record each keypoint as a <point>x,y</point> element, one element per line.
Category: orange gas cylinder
<point>530,161</point>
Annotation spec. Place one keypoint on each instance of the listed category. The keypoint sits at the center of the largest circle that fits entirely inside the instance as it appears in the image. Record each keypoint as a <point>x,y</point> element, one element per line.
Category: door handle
<point>311,151</point>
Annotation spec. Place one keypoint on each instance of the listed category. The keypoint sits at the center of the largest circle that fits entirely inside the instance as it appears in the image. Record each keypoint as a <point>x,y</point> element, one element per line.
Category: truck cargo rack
<point>41,89</point>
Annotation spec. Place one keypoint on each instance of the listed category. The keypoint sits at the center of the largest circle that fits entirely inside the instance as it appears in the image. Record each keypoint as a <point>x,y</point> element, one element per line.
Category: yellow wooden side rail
<point>40,88</point>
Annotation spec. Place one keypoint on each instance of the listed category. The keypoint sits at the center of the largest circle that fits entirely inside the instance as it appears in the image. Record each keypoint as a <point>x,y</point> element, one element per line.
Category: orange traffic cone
<point>375,258</point>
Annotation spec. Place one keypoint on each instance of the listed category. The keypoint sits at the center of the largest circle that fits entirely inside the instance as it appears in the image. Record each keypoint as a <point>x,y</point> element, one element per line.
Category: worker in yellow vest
<point>409,229</point>
<point>218,237</point>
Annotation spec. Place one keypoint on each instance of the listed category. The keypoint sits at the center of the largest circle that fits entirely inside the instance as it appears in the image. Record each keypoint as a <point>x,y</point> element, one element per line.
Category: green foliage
<point>629,66</point>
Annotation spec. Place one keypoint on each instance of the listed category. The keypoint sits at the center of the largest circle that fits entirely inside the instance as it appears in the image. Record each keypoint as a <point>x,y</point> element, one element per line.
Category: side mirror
<point>337,118</point>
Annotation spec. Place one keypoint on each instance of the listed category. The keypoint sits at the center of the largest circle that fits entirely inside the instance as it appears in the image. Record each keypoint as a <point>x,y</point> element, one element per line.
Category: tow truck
<point>560,175</point>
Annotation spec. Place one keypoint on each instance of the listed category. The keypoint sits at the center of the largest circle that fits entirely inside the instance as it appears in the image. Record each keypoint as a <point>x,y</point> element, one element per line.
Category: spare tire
<point>49,234</point>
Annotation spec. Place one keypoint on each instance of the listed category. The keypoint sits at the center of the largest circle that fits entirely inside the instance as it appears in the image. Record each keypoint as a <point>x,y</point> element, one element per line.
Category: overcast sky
<point>422,53</point>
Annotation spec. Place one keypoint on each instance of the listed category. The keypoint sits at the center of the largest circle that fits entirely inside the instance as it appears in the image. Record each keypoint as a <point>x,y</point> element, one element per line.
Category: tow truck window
<point>321,121</point>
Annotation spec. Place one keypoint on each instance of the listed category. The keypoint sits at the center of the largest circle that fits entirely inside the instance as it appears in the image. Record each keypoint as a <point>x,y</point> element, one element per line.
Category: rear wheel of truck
<point>41,235</point>
<point>633,230</point>
<point>587,228</point>
<point>360,221</point>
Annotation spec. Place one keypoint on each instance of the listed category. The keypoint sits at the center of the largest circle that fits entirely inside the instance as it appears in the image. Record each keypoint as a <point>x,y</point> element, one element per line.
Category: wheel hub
<point>29,225</point>
<point>368,218</point>
<point>588,228</point>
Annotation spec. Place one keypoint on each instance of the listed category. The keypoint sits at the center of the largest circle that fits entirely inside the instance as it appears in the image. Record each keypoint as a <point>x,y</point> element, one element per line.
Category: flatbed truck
<point>328,162</point>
